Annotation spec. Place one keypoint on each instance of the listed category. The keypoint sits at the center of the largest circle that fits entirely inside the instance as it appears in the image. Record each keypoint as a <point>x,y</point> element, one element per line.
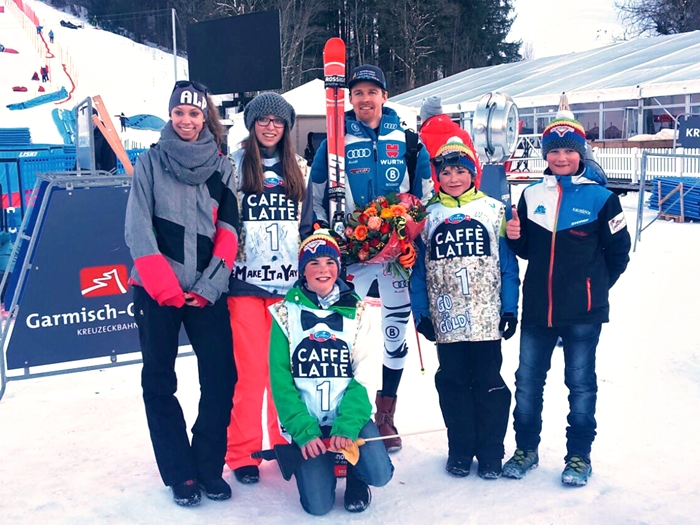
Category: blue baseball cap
<point>367,73</point>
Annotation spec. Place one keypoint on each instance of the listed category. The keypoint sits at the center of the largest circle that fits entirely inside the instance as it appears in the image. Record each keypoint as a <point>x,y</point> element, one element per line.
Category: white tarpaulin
<point>642,68</point>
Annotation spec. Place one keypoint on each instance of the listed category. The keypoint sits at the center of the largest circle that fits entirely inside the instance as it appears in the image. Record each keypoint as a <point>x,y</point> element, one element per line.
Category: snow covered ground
<point>74,449</point>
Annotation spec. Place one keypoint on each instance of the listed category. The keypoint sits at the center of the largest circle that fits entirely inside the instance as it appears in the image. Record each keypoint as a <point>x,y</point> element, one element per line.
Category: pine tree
<point>413,41</point>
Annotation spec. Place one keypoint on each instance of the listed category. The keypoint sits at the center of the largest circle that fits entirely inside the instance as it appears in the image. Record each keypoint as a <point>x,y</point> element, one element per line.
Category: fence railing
<point>650,159</point>
<point>618,163</point>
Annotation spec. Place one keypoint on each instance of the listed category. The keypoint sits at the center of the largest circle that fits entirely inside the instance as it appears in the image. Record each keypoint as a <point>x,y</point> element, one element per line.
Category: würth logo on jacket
<point>392,151</point>
<point>96,281</point>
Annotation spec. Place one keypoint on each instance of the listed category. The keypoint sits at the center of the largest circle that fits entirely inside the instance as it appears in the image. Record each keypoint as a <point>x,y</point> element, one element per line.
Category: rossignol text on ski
<point>334,73</point>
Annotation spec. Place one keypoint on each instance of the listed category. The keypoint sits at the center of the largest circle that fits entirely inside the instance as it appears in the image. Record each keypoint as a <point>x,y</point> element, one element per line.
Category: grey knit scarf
<point>191,162</point>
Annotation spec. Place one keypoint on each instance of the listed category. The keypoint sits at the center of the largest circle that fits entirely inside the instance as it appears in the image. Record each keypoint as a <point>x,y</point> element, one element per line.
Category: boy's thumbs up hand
<point>513,226</point>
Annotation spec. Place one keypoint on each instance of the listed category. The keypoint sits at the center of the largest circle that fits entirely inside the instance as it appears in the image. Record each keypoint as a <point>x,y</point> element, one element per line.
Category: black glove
<point>508,324</point>
<point>321,225</point>
<point>425,327</point>
<point>340,239</point>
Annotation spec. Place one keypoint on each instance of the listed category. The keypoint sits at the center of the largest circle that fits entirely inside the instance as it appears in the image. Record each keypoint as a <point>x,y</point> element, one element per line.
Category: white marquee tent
<point>643,68</point>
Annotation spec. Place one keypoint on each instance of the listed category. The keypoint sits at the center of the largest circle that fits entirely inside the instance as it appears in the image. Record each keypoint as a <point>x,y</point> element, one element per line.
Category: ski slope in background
<point>130,77</point>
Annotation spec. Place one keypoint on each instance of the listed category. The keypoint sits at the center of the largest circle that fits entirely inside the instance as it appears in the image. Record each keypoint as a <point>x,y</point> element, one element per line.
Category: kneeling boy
<point>320,377</point>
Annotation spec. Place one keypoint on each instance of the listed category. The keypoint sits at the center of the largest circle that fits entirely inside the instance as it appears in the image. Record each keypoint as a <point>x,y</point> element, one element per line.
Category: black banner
<point>76,303</point>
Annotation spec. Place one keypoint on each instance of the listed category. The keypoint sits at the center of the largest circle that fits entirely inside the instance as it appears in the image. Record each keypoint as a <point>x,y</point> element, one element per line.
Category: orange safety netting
<point>27,11</point>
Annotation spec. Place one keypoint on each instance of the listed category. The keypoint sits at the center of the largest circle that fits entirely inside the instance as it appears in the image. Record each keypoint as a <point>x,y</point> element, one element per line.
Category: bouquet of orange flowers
<point>384,230</point>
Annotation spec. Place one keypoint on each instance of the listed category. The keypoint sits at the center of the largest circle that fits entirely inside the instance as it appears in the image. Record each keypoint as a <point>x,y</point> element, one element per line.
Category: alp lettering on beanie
<point>319,244</point>
<point>188,96</point>
<point>564,133</point>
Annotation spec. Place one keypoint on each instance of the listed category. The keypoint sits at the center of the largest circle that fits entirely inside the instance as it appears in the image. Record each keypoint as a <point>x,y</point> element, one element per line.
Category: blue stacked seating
<point>15,137</point>
<point>133,157</point>
<point>672,206</point>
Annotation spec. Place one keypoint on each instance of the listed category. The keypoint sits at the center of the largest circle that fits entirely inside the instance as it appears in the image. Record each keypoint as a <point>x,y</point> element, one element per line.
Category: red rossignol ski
<point>334,73</point>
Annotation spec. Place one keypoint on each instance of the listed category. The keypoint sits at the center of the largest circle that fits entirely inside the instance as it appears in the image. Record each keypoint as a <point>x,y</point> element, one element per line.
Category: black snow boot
<point>357,493</point>
<point>248,474</point>
<point>216,489</point>
<point>186,494</point>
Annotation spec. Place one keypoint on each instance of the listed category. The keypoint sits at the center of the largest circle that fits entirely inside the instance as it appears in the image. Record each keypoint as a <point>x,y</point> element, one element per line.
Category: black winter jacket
<point>575,238</point>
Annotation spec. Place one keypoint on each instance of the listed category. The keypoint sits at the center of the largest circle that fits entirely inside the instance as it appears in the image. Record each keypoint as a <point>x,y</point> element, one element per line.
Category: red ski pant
<point>251,322</point>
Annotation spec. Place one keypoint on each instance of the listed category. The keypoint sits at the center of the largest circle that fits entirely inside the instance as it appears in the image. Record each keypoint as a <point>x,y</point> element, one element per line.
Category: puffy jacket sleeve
<point>510,277</point>
<point>154,272</point>
<point>418,287</point>
<point>214,279</point>
<point>319,182</point>
<point>355,408</point>
<point>423,187</point>
<point>291,410</point>
<point>615,238</point>
<point>306,223</point>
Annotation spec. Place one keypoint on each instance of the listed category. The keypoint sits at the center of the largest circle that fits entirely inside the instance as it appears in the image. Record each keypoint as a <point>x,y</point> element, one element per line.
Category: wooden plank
<point>106,126</point>
<point>665,215</point>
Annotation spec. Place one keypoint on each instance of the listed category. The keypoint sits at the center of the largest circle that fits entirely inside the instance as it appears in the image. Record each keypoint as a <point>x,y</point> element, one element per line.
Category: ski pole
<point>362,441</point>
<point>420,354</point>
<point>352,452</point>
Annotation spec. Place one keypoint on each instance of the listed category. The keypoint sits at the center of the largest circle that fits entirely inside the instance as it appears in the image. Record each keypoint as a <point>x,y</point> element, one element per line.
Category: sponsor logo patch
<point>321,336</point>
<point>455,219</point>
<point>271,182</point>
<point>399,285</point>
<point>361,153</point>
<point>561,130</point>
<point>392,332</point>
<point>617,223</point>
<point>393,174</point>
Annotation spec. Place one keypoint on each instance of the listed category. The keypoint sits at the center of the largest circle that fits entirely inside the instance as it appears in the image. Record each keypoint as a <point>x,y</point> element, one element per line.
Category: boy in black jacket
<point>573,233</point>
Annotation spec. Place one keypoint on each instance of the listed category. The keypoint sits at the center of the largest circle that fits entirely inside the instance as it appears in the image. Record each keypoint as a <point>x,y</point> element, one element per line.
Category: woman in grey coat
<point>181,228</point>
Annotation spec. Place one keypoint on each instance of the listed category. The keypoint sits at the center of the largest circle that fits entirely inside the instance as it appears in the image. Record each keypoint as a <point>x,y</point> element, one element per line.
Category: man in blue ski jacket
<point>375,165</point>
